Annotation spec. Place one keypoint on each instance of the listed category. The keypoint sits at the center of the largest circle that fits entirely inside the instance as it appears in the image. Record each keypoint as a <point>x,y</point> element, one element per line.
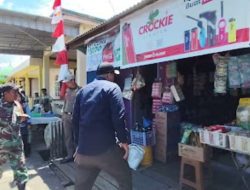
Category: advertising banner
<point>174,29</point>
<point>105,48</point>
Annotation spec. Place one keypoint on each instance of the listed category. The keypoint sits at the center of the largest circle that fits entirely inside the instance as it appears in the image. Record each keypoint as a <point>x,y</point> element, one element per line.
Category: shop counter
<point>43,120</point>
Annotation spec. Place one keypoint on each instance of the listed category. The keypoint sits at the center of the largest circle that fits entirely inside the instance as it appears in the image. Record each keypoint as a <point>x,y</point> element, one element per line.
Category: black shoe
<point>66,160</point>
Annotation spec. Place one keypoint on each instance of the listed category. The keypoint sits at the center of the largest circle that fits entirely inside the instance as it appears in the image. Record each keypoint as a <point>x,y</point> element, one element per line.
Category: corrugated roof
<point>27,34</point>
<point>81,15</point>
<point>80,40</point>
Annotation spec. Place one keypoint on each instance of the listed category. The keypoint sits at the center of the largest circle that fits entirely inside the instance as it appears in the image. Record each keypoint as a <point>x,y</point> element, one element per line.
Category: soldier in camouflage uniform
<point>11,146</point>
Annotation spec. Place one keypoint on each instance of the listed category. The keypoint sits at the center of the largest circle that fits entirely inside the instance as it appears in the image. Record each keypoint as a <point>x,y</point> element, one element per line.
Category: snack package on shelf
<point>190,134</point>
<point>243,113</point>
<point>240,141</point>
<point>215,135</point>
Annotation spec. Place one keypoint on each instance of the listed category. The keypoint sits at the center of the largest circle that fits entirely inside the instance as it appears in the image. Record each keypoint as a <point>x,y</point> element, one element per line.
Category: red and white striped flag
<point>59,30</point>
<point>64,71</point>
<point>62,58</point>
<point>57,3</point>
<point>57,15</point>
<point>59,45</point>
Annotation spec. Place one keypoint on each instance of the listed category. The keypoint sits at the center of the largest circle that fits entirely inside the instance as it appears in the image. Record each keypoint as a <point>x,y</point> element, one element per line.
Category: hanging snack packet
<point>167,97</point>
<point>177,93</point>
<point>244,63</point>
<point>156,90</point>
<point>220,77</point>
<point>234,77</point>
<point>171,71</point>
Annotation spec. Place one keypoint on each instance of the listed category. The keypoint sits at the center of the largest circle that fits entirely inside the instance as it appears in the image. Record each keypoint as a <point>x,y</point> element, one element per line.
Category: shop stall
<point>185,68</point>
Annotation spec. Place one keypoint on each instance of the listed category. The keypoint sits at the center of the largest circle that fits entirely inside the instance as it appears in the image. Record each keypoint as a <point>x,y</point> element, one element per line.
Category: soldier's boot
<point>21,186</point>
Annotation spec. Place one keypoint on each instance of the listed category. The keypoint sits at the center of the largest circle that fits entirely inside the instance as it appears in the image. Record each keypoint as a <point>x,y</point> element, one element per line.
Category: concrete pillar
<point>27,85</point>
<point>45,72</point>
<point>81,74</point>
<point>40,78</point>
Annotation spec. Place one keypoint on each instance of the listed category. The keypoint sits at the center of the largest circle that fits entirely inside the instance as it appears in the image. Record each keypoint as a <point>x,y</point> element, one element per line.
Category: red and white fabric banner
<point>64,71</point>
<point>57,3</point>
<point>57,15</point>
<point>59,45</point>
<point>62,58</point>
<point>59,30</point>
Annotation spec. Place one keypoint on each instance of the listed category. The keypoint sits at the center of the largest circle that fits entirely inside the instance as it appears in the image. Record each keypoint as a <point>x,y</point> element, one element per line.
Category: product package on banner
<point>168,30</point>
<point>105,48</point>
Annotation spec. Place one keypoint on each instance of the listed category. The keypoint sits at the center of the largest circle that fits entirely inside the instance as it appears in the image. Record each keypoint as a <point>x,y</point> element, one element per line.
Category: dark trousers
<point>25,138</point>
<point>26,145</point>
<point>68,134</point>
<point>111,162</point>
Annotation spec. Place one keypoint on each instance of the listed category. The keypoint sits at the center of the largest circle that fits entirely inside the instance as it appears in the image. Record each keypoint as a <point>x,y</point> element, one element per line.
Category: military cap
<point>8,86</point>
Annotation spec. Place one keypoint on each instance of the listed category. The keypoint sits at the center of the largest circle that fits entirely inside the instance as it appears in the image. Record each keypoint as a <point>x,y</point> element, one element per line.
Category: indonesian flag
<point>64,71</point>
<point>59,30</point>
<point>56,4</point>
<point>57,15</point>
<point>62,58</point>
<point>63,90</point>
<point>59,44</point>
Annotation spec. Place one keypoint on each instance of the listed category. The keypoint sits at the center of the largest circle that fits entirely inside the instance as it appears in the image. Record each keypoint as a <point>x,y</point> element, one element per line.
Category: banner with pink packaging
<point>176,29</point>
<point>104,48</point>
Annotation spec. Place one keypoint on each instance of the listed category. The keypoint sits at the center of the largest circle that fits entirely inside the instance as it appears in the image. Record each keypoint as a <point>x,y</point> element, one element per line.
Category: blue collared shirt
<point>98,117</point>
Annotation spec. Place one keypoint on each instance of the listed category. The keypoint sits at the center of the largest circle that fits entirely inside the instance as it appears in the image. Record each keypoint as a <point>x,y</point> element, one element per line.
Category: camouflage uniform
<point>11,146</point>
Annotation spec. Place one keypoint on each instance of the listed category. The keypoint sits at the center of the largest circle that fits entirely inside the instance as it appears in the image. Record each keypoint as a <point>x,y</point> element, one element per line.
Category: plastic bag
<point>138,82</point>
<point>136,154</point>
<point>127,91</point>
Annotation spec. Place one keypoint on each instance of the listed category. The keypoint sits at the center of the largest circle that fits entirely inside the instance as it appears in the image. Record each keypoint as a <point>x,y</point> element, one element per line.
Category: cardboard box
<point>161,116</point>
<point>167,136</point>
<point>160,154</point>
<point>239,143</point>
<point>214,138</point>
<point>192,152</point>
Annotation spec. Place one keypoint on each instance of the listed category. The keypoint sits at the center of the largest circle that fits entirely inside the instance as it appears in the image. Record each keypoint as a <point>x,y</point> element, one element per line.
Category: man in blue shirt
<point>98,119</point>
